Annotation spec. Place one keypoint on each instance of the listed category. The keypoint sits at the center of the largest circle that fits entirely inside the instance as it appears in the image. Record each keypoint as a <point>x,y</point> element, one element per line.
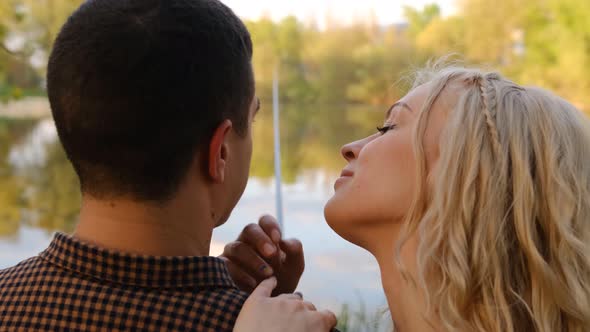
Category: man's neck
<point>181,227</point>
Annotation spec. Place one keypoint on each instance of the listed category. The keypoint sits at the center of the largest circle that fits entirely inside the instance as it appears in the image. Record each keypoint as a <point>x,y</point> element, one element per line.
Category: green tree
<point>418,19</point>
<point>279,46</point>
<point>35,23</point>
<point>557,49</point>
<point>380,68</point>
<point>330,61</point>
<point>443,36</point>
<point>489,29</point>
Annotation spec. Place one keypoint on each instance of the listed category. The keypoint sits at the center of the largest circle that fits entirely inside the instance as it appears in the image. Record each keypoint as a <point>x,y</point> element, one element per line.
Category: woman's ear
<point>218,152</point>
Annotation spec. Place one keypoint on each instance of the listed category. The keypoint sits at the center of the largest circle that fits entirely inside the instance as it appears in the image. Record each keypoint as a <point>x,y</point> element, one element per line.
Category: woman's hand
<point>286,312</point>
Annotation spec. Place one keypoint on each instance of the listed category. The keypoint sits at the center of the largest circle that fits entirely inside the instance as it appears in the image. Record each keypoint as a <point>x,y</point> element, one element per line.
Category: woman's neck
<point>406,300</point>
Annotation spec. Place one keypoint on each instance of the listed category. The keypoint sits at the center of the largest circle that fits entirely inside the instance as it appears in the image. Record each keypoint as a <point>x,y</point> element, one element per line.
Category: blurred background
<point>341,64</point>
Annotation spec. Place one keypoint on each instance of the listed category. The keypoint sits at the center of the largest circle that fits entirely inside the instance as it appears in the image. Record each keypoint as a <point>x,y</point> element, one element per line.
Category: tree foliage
<point>538,42</point>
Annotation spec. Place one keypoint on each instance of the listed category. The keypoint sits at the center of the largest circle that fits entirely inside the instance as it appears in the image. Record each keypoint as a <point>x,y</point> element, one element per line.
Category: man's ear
<point>218,152</point>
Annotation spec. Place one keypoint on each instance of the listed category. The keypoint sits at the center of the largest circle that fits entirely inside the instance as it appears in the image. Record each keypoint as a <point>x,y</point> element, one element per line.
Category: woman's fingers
<point>329,319</point>
<point>289,297</point>
<point>309,306</point>
<point>287,313</point>
<point>265,288</point>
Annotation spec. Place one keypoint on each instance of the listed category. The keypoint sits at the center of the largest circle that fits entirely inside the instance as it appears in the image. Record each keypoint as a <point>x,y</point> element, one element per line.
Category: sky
<point>345,11</point>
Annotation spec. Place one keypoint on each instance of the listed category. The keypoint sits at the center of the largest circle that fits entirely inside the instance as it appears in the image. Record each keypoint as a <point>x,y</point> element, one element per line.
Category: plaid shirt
<point>74,286</point>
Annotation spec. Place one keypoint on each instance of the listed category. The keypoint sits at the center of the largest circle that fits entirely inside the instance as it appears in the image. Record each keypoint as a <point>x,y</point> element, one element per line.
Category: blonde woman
<point>474,197</point>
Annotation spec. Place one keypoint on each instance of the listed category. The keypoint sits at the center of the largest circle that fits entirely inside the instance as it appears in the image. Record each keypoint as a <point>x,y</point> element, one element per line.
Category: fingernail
<point>276,236</point>
<point>267,270</point>
<point>283,257</point>
<point>269,249</point>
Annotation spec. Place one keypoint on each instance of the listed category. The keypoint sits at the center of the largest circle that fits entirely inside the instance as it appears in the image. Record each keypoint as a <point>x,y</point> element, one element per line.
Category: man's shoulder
<point>216,304</point>
<point>21,269</point>
<point>48,290</point>
<point>28,275</point>
<point>230,296</point>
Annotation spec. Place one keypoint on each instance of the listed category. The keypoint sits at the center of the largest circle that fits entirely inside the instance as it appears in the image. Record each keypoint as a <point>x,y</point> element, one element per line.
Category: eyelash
<point>385,129</point>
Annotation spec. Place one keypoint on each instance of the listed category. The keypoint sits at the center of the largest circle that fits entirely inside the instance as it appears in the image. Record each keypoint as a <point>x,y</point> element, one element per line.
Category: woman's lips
<point>346,173</point>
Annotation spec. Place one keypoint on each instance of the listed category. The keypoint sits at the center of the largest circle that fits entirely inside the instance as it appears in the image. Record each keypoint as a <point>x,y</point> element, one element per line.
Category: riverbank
<point>26,108</point>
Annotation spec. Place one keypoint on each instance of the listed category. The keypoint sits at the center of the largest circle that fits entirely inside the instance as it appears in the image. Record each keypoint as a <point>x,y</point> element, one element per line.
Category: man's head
<point>141,90</point>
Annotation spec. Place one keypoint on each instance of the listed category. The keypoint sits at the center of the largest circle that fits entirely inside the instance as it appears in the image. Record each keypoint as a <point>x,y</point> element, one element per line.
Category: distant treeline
<point>544,43</point>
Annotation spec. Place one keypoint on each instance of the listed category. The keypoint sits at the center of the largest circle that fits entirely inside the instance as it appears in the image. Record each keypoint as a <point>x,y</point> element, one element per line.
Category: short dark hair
<point>137,87</point>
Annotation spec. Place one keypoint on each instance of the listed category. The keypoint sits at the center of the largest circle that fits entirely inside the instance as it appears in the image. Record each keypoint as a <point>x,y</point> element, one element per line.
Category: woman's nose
<point>351,150</point>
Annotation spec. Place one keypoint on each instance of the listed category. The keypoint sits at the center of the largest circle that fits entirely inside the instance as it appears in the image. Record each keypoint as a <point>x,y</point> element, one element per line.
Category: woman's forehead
<point>394,107</point>
<point>411,102</point>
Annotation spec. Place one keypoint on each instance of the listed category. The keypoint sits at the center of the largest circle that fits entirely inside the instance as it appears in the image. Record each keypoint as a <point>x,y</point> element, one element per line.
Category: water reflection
<point>40,189</point>
<point>39,195</point>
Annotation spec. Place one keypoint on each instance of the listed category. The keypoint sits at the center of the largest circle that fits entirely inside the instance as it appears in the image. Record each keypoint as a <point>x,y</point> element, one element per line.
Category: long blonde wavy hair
<point>504,219</point>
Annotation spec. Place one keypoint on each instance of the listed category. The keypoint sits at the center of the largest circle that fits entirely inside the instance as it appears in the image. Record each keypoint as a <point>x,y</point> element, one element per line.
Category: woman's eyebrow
<point>399,103</point>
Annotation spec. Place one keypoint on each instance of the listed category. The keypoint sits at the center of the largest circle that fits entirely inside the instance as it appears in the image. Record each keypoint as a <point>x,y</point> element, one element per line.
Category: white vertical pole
<point>277,151</point>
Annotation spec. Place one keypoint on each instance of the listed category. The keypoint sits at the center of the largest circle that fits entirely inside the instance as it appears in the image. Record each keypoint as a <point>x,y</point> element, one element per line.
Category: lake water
<point>38,196</point>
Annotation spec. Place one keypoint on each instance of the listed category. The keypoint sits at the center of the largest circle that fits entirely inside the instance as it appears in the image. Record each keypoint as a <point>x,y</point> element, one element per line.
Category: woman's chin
<point>340,222</point>
<point>358,228</point>
<point>332,213</point>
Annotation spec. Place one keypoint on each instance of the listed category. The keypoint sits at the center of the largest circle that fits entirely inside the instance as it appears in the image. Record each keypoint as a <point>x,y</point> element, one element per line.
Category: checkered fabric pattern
<point>74,286</point>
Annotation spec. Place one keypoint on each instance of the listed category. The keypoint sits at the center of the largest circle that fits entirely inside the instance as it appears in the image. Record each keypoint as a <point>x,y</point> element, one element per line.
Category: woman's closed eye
<point>386,128</point>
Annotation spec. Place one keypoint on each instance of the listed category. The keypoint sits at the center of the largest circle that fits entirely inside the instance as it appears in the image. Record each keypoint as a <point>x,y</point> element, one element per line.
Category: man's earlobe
<point>218,152</point>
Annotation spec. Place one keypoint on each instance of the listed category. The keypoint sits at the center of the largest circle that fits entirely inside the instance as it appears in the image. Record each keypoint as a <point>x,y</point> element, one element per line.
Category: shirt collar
<point>137,270</point>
